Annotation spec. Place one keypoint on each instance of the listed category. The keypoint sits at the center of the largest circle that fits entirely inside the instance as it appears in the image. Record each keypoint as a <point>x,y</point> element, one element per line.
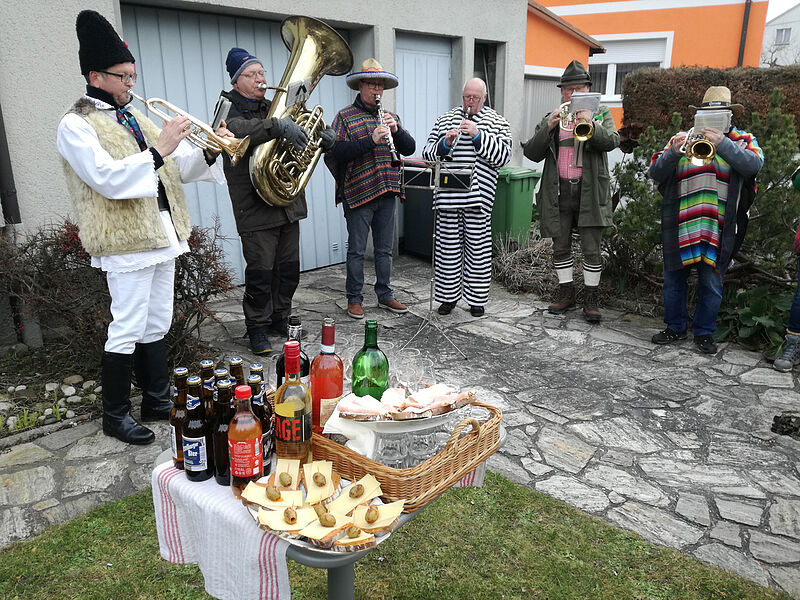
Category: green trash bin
<point>512,212</point>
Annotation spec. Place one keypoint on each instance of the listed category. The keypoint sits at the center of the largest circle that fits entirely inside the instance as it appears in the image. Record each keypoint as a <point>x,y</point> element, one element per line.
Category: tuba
<point>277,170</point>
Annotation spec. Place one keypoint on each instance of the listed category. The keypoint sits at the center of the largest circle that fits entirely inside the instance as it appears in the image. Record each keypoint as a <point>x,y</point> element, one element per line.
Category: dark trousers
<point>271,275</point>
<point>569,208</point>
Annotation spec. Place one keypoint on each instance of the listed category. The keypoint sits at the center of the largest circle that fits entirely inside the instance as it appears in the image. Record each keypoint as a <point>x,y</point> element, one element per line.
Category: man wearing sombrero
<point>367,185</point>
<point>703,218</point>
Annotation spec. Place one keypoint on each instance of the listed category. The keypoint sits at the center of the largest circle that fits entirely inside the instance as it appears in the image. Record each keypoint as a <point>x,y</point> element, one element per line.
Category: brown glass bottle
<point>244,443</point>
<point>263,412</point>
<point>207,375</point>
<point>198,457</point>
<point>178,415</point>
<point>236,368</point>
<point>221,419</point>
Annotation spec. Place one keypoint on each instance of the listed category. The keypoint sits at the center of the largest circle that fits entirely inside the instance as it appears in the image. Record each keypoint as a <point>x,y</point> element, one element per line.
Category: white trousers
<point>463,255</point>
<point>141,306</point>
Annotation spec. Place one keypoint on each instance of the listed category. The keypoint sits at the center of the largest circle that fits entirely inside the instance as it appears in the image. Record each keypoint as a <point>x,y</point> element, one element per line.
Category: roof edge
<point>595,47</point>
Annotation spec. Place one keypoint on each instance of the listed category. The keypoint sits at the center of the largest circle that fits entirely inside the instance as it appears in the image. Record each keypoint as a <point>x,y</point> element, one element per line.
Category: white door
<point>180,56</point>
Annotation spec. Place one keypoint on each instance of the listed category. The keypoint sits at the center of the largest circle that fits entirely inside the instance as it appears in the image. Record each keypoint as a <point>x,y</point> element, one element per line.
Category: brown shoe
<point>563,299</point>
<point>354,310</point>
<point>590,311</point>
<point>395,306</point>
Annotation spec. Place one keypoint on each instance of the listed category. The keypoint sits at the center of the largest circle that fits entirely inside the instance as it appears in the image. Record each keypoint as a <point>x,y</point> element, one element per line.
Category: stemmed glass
<point>409,368</point>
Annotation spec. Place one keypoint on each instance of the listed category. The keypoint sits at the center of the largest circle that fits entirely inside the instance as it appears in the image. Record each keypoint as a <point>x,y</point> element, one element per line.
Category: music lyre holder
<point>432,318</point>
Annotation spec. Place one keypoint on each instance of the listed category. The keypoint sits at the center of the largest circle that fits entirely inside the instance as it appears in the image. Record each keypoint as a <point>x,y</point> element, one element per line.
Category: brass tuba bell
<point>277,170</point>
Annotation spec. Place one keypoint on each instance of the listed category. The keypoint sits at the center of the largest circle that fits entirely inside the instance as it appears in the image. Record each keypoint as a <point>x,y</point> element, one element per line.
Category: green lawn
<point>501,541</point>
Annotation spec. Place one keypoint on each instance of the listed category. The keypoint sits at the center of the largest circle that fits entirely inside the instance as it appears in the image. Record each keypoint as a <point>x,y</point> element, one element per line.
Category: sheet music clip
<point>220,112</point>
<point>298,92</point>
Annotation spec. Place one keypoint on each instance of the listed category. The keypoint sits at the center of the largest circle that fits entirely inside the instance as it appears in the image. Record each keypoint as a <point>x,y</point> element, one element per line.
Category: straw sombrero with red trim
<point>372,69</point>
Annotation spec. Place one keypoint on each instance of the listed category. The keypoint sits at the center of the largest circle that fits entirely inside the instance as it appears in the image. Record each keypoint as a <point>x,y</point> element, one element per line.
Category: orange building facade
<point>641,33</point>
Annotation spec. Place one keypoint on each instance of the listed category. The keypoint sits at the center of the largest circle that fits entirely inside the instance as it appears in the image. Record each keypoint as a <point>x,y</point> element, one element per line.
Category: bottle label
<point>195,456</point>
<point>326,408</point>
<point>266,447</point>
<point>192,402</point>
<point>173,438</point>
<point>258,399</point>
<point>293,429</point>
<point>246,457</point>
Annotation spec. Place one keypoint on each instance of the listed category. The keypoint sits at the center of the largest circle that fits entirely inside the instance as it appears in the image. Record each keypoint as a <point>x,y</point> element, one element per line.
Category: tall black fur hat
<point>99,45</point>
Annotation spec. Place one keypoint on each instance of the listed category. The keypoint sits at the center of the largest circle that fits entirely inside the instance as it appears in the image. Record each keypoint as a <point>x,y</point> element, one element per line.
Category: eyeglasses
<point>123,77</point>
<point>252,75</point>
<point>472,98</point>
<point>375,84</point>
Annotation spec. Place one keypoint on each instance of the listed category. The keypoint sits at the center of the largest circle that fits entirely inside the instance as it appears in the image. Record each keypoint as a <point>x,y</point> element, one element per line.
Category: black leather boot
<point>152,376</point>
<point>117,419</point>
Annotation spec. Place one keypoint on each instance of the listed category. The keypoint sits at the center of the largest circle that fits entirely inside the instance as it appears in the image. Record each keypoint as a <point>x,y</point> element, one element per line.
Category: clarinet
<point>396,162</point>
<point>467,116</point>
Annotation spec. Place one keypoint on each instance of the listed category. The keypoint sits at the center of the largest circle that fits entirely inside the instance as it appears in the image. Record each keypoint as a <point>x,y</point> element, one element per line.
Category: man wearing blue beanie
<point>270,235</point>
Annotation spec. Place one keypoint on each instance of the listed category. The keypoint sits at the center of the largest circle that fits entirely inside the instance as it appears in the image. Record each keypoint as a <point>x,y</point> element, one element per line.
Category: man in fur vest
<point>124,176</point>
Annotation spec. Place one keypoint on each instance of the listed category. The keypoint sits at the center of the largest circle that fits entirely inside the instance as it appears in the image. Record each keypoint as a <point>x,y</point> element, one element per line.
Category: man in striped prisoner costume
<point>367,185</point>
<point>463,249</point>
<point>694,228</point>
<point>575,193</point>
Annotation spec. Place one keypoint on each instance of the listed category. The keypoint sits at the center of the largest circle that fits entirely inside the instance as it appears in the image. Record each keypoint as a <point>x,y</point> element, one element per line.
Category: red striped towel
<point>203,523</point>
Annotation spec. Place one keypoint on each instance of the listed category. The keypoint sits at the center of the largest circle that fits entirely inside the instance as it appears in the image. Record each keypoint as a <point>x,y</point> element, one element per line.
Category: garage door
<point>180,57</point>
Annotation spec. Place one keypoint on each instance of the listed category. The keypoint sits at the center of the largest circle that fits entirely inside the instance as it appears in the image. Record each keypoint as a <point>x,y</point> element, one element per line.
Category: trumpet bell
<point>583,131</point>
<point>235,148</point>
<point>701,152</point>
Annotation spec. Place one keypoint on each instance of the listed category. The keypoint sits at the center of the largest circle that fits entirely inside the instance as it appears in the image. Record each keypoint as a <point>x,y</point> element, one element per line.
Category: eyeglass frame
<point>253,75</point>
<point>380,83</point>
<point>472,98</point>
<point>123,77</point>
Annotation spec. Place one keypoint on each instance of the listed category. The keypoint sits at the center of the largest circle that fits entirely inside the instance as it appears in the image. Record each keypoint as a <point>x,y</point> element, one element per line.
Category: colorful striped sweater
<point>363,169</point>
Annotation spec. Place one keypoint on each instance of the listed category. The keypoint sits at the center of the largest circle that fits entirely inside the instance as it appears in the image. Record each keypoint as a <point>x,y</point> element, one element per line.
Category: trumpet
<point>581,130</point>
<point>697,148</point>
<point>201,134</point>
<point>395,156</point>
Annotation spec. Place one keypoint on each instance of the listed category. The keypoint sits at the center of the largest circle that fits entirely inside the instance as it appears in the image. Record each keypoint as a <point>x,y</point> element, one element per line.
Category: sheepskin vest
<point>108,227</point>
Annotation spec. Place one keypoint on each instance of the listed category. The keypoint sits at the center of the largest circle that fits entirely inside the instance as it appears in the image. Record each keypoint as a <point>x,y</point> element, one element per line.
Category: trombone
<point>201,134</point>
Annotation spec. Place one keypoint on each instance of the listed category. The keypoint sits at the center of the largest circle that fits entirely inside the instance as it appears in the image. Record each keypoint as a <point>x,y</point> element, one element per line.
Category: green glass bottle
<point>370,365</point>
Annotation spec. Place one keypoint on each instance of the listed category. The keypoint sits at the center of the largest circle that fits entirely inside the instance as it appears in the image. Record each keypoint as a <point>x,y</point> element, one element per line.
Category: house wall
<point>40,76</point>
<point>772,53</point>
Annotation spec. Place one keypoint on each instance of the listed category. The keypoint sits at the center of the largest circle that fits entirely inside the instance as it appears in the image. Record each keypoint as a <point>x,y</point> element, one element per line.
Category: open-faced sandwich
<point>286,475</point>
<point>378,519</point>
<point>356,494</point>
<point>326,529</point>
<point>354,540</point>
<point>288,522</point>
<point>320,481</point>
<point>268,496</point>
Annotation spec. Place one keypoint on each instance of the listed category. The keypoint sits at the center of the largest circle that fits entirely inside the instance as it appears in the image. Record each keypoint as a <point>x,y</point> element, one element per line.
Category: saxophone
<point>277,170</point>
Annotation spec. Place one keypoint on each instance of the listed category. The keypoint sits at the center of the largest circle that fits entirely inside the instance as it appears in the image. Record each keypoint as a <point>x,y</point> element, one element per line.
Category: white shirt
<point>131,177</point>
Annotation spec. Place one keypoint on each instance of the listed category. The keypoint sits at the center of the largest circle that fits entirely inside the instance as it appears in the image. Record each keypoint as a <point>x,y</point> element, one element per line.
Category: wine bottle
<point>326,377</point>
<point>293,410</point>
<point>294,331</point>
<point>370,365</point>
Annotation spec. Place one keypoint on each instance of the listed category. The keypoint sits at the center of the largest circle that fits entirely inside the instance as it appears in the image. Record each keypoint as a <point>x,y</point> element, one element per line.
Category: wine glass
<point>392,450</point>
<point>409,368</point>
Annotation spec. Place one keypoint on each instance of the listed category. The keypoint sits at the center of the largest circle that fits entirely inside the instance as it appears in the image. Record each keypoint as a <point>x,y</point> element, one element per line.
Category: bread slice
<point>347,544</point>
<point>388,516</point>
<point>286,465</point>
<point>322,536</point>
<point>344,504</point>
<point>274,520</point>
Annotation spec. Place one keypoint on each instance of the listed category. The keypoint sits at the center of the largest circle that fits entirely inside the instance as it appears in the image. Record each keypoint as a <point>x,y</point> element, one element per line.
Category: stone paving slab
<point>661,440</point>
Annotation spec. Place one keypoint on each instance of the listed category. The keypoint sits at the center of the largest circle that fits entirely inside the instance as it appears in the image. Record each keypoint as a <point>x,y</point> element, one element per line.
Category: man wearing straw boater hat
<point>367,184</point>
<point>124,176</point>
<point>703,214</point>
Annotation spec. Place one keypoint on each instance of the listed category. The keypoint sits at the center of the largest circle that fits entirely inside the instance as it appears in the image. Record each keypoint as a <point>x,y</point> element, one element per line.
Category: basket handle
<point>476,427</point>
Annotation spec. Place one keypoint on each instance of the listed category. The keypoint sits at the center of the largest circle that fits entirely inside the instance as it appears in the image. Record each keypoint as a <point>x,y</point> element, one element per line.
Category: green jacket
<point>596,189</point>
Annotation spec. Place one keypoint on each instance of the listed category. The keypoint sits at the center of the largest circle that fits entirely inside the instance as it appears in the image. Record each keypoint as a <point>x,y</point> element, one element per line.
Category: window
<point>486,67</point>
<point>782,36</point>
<point>624,69</point>
<point>599,75</point>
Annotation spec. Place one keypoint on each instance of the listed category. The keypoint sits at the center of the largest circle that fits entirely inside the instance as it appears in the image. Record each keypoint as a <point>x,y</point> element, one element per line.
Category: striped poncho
<point>488,153</point>
<point>700,200</point>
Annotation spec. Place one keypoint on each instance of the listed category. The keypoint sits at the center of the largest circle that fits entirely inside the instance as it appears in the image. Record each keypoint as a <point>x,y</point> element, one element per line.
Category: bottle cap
<point>181,371</point>
<point>235,360</point>
<point>194,380</point>
<point>224,383</point>
<point>254,378</point>
<point>291,349</point>
<point>328,332</point>
<point>206,363</point>
<point>243,392</point>
<point>294,320</point>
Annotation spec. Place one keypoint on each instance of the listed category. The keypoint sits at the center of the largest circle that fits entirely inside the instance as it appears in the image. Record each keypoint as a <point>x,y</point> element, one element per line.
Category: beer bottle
<point>294,331</point>
<point>244,443</point>
<point>178,415</point>
<point>207,375</point>
<point>235,366</point>
<point>198,459</point>
<point>293,410</point>
<point>220,423</point>
<point>263,412</point>
<point>219,375</point>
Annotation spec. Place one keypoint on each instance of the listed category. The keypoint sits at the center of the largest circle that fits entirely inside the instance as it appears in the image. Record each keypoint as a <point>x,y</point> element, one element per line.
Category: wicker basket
<point>420,484</point>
